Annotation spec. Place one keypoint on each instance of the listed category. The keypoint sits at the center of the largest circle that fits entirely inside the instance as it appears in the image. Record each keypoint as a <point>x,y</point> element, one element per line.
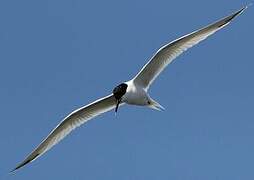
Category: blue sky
<point>59,55</point>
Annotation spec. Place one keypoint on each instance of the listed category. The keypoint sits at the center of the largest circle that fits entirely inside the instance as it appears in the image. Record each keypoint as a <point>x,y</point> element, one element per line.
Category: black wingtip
<point>20,166</point>
<point>23,163</point>
<point>238,12</point>
<point>227,20</point>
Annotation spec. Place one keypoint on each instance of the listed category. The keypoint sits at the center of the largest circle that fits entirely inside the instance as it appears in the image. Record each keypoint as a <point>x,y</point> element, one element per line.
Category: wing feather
<point>170,51</point>
<point>72,121</point>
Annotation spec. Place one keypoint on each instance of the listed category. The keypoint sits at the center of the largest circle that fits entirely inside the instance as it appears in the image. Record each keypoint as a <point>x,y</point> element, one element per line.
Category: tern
<point>132,92</point>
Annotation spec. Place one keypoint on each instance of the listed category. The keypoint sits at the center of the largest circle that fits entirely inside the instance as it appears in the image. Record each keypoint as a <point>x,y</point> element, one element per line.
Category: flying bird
<point>132,92</point>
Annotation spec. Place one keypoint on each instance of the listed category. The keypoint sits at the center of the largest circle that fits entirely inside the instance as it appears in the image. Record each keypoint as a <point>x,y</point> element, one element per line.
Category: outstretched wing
<point>72,121</point>
<point>169,52</point>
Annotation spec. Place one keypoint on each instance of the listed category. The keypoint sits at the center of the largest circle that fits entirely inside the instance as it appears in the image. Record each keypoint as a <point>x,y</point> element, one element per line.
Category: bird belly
<point>135,97</point>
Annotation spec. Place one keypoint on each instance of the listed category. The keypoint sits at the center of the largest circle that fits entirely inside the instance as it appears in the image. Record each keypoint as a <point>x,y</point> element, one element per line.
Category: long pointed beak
<point>117,105</point>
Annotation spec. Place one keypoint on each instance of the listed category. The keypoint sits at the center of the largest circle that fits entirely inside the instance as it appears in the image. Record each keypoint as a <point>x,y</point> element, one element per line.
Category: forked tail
<point>155,105</point>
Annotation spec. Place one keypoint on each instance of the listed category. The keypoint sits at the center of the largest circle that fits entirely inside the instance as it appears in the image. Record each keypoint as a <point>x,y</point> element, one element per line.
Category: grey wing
<point>72,121</point>
<point>169,52</point>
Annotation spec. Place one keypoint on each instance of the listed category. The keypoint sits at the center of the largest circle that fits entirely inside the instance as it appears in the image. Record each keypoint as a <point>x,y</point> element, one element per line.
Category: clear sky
<point>58,55</point>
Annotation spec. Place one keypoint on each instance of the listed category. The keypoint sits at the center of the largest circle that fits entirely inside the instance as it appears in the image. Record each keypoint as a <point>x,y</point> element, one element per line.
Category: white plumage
<point>133,92</point>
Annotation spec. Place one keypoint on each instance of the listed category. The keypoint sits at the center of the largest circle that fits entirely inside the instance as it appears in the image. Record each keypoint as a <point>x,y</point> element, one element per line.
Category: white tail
<point>155,105</point>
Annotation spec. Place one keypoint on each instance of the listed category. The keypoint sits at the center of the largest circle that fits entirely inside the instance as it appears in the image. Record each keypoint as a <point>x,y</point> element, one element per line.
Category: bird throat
<point>118,92</point>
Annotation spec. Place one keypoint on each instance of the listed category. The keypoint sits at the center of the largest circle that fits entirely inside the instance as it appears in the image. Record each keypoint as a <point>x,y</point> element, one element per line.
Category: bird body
<point>135,95</point>
<point>132,92</point>
<point>138,95</point>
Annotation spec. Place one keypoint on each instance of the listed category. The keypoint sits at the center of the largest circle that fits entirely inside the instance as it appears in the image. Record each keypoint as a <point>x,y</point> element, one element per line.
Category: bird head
<point>118,92</point>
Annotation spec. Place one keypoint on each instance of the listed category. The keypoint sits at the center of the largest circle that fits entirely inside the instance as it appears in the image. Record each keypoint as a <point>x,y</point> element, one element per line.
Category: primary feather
<point>72,121</point>
<point>170,51</point>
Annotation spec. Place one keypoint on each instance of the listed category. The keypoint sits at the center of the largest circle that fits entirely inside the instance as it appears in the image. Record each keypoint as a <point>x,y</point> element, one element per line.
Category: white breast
<point>135,95</point>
